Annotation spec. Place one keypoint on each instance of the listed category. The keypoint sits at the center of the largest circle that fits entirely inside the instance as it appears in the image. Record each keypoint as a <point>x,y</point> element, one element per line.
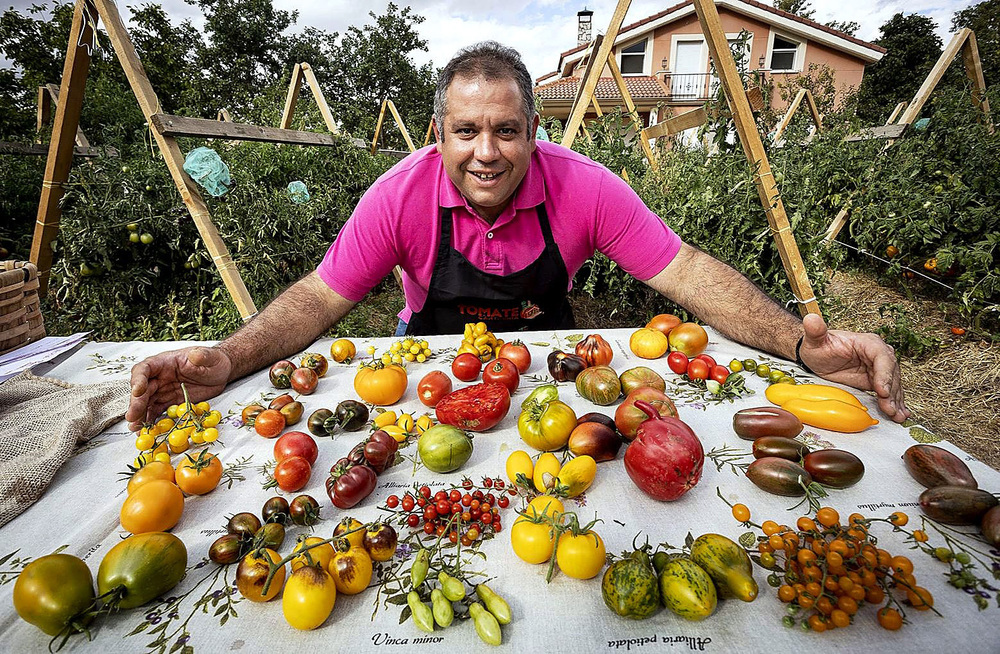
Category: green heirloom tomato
<point>541,395</point>
<point>52,590</point>
<point>444,448</point>
<point>142,567</point>
<point>547,427</point>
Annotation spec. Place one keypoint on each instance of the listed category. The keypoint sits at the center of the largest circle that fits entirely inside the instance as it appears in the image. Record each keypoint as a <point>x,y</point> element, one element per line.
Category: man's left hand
<point>863,361</point>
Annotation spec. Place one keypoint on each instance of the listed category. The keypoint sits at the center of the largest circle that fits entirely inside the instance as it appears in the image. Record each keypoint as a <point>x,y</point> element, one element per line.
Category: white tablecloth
<point>80,511</point>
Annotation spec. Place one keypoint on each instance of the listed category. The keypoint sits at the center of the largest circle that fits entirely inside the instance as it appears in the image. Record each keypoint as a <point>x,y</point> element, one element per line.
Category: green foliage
<point>983,19</point>
<point>169,288</point>
<point>913,47</point>
<point>904,335</point>
<point>797,7</point>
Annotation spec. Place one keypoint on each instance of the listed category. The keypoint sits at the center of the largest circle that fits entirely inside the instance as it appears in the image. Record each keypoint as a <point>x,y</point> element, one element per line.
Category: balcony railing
<point>690,87</point>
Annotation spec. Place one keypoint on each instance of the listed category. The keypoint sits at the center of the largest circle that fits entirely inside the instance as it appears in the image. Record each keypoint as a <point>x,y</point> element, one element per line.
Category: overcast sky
<point>542,29</point>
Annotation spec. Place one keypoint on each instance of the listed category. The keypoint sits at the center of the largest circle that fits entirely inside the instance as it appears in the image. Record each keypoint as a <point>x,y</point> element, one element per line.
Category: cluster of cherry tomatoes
<point>466,513</point>
<point>183,425</point>
<point>826,572</point>
<point>702,366</point>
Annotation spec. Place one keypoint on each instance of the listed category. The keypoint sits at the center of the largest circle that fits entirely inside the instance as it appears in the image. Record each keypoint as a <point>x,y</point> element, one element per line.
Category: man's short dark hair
<point>491,61</point>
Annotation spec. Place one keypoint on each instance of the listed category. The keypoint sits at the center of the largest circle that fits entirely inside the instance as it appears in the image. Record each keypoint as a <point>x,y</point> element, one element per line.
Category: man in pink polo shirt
<point>490,224</point>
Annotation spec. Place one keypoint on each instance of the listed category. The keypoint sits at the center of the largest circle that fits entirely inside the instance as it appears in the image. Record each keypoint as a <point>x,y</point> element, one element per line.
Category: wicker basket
<point>20,314</point>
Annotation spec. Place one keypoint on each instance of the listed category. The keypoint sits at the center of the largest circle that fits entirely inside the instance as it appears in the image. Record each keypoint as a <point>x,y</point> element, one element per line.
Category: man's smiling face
<point>485,141</point>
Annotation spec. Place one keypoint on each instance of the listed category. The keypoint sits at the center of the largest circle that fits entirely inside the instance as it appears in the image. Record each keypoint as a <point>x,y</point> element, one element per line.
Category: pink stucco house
<point>664,58</point>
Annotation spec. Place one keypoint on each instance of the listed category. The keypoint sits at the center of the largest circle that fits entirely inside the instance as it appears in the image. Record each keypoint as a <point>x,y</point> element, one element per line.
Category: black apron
<point>530,299</point>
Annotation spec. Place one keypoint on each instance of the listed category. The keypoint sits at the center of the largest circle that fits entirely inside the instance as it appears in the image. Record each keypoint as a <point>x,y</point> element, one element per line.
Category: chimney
<point>583,26</point>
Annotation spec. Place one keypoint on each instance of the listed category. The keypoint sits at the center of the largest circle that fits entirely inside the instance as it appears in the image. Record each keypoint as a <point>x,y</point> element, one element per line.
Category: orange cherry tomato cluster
<point>468,512</point>
<point>827,571</point>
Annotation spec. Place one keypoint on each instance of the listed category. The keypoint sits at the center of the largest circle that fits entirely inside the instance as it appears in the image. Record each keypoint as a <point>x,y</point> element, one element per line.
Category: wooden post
<point>324,108</point>
<point>633,114</point>
<point>401,125</point>
<point>292,97</point>
<point>579,96</point>
<point>44,112</point>
<point>150,106</point>
<point>60,157</point>
<point>430,132</point>
<point>786,120</point>
<point>378,126</point>
<point>895,113</point>
<point>974,71</point>
<point>746,127</point>
<point>223,115</point>
<point>686,120</point>
<point>589,83</point>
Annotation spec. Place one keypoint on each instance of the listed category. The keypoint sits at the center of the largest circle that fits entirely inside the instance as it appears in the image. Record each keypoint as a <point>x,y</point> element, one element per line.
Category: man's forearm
<point>293,320</point>
<point>729,302</point>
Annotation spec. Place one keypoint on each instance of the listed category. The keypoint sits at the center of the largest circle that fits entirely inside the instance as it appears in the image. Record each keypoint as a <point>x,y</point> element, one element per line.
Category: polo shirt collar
<point>530,193</point>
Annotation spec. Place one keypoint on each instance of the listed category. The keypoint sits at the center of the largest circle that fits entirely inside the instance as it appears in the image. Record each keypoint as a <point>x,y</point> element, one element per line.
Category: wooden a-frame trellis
<point>746,127</point>
<point>165,128</point>
<point>963,42</point>
<point>399,123</point>
<point>48,97</point>
<point>786,120</point>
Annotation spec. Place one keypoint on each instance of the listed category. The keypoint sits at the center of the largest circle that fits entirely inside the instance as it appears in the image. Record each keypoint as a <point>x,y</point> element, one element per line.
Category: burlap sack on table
<point>42,421</point>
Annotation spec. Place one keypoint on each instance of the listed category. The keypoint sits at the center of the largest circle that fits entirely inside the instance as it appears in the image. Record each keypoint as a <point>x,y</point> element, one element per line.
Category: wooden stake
<point>974,71</point>
<point>196,206</point>
<point>60,157</point>
<point>746,127</point>
<point>589,83</point>
<point>895,113</point>
<point>686,120</point>
<point>430,132</point>
<point>633,114</point>
<point>401,125</point>
<point>292,97</point>
<point>320,98</point>
<point>378,126</point>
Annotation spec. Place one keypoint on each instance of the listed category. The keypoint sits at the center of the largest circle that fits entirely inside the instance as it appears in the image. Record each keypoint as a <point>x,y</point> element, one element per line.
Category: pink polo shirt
<point>397,222</point>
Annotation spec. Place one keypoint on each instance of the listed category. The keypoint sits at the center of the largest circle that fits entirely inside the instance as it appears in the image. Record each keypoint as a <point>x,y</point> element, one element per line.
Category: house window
<point>633,58</point>
<point>783,54</point>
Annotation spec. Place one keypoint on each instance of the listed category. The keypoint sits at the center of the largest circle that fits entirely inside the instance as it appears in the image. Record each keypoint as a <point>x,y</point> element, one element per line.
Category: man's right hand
<point>156,381</point>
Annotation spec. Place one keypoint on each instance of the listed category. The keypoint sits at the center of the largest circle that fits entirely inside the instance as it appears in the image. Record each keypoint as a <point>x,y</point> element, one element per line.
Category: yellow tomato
<point>546,504</point>
<point>149,472</point>
<point>380,384</point>
<point>351,570</point>
<point>581,556</point>
<point>154,506</point>
<point>519,462</point>
<point>648,343</point>
<point>532,543</point>
<point>342,350</point>
<point>546,463</point>
<point>321,554</point>
<point>251,576</point>
<point>385,419</point>
<point>308,598</point>
<point>357,536</point>
<point>577,475</point>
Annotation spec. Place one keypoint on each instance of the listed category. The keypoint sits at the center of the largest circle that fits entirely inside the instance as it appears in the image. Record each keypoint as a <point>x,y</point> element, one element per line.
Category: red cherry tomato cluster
<point>702,366</point>
<point>353,477</point>
<point>295,453</point>
<point>466,513</point>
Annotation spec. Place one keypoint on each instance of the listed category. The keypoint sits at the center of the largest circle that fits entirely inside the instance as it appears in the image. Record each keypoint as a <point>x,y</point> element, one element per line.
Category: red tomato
<point>269,423</point>
<point>296,443</point>
<point>678,362</point>
<point>476,408</point>
<point>719,374</point>
<point>502,371</point>
<point>304,380</point>
<point>518,353</point>
<point>707,359</point>
<point>466,367</point>
<point>292,473</point>
<point>433,387</point>
<point>697,369</point>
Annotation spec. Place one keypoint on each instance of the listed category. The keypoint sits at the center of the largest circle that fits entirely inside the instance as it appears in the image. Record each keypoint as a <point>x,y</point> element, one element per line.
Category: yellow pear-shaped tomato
<point>546,471</point>
<point>519,463</point>
<point>577,475</point>
<point>155,506</point>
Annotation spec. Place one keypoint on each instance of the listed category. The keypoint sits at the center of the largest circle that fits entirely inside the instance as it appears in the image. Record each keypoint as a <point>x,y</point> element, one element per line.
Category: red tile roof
<point>753,3</point>
<point>640,87</point>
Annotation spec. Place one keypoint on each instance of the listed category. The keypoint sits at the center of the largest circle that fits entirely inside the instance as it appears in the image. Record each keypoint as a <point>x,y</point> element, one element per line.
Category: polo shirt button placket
<point>489,234</point>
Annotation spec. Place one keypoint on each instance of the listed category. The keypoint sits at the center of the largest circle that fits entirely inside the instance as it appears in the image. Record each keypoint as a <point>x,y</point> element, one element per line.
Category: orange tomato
<point>689,338</point>
<point>155,506</point>
<point>663,322</point>
<point>149,472</point>
<point>380,384</point>
<point>648,343</point>
<point>197,475</point>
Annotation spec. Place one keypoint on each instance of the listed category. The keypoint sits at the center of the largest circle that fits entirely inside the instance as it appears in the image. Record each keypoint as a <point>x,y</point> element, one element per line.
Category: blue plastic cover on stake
<point>206,167</point>
<point>298,192</point>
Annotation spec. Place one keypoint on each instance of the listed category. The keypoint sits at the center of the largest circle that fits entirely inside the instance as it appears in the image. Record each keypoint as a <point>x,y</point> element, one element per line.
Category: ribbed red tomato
<point>475,408</point>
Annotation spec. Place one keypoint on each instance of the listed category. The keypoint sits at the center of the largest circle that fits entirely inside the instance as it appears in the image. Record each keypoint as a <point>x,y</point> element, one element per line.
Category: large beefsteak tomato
<point>474,408</point>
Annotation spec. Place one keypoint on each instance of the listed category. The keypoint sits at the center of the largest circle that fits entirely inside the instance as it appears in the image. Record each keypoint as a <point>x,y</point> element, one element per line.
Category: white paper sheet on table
<point>41,351</point>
